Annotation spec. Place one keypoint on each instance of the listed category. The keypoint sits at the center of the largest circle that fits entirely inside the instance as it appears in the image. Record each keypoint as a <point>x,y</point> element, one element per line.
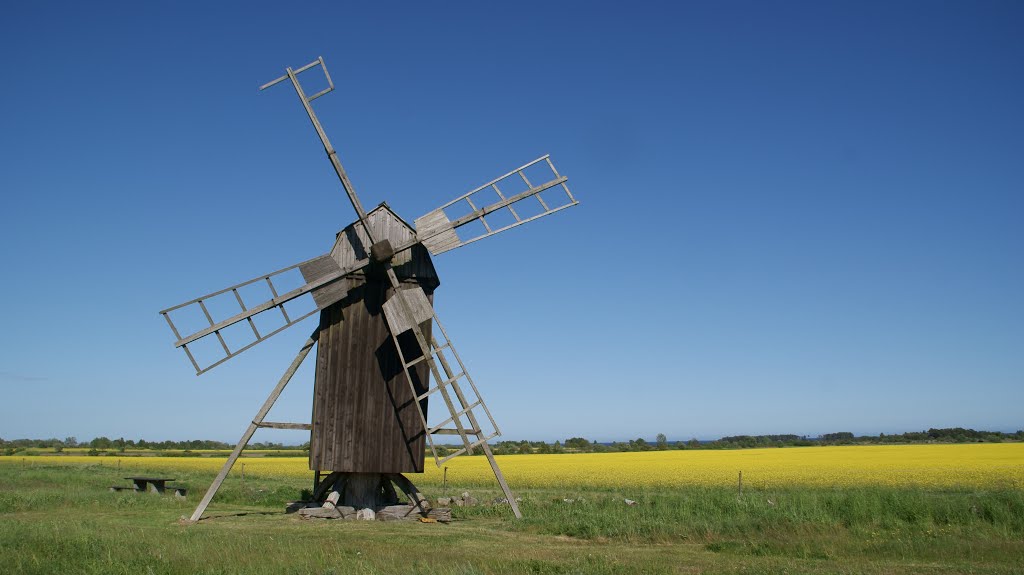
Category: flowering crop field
<point>990,465</point>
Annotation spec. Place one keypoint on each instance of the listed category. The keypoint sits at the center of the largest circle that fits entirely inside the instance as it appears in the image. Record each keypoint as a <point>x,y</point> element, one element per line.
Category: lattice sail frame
<point>245,314</point>
<point>449,385</point>
<point>434,230</point>
<point>437,231</point>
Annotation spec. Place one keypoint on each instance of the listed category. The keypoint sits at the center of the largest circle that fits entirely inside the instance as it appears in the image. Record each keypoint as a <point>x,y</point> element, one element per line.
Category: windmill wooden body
<point>382,354</point>
<point>364,417</point>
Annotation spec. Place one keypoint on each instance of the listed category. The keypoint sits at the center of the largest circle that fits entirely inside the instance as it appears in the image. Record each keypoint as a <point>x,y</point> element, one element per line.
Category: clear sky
<point>796,217</point>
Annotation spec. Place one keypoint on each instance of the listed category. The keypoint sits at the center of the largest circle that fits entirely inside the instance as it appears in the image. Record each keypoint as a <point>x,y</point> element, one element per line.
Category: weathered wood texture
<point>437,231</point>
<point>364,418</point>
<point>254,425</point>
<point>352,245</point>
<point>317,268</point>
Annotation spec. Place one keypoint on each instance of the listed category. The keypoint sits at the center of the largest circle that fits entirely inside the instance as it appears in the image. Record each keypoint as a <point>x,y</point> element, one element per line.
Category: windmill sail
<point>321,275</point>
<point>513,199</point>
<point>464,404</point>
<point>437,229</point>
<point>469,417</point>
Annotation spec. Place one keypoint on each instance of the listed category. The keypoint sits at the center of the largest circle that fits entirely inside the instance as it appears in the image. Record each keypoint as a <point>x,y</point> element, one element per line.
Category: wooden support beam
<point>408,489</point>
<point>278,425</point>
<point>483,442</point>
<point>331,482</point>
<point>455,431</point>
<point>254,425</point>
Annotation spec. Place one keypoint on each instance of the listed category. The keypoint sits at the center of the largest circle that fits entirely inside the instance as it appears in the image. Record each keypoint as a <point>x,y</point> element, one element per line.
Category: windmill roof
<point>352,245</point>
<point>381,206</point>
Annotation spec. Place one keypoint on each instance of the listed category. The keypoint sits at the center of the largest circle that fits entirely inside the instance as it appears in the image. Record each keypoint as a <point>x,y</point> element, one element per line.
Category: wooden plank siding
<point>352,244</point>
<point>317,268</point>
<point>364,418</point>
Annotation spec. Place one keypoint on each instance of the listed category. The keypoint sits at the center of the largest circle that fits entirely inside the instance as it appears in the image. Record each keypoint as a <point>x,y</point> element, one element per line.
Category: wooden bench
<point>155,484</point>
<point>178,490</point>
<point>151,484</point>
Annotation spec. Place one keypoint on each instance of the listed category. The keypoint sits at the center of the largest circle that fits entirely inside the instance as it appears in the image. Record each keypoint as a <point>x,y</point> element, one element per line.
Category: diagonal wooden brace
<point>254,425</point>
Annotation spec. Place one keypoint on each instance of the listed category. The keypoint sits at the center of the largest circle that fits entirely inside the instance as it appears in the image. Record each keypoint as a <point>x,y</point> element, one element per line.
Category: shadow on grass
<point>239,514</point>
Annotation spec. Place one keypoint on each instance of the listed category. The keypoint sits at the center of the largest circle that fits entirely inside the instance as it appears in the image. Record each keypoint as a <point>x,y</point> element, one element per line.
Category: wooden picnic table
<point>158,484</point>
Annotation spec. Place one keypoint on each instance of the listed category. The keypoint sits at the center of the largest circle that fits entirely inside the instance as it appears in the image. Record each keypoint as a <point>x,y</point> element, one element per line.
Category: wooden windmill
<point>382,354</point>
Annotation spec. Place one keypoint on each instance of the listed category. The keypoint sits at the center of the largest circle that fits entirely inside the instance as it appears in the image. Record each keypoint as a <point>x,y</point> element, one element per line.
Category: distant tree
<point>639,444</point>
<point>577,443</point>
<point>100,442</point>
<point>71,441</point>
<point>693,443</point>
<point>661,441</point>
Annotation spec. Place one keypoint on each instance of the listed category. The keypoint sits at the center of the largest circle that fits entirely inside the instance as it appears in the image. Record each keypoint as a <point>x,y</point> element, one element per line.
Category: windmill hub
<point>382,252</point>
<point>382,354</point>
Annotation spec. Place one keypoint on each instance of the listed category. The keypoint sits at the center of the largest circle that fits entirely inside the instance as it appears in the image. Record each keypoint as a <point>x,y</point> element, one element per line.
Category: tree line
<point>933,435</point>
<point>571,445</point>
<point>105,444</point>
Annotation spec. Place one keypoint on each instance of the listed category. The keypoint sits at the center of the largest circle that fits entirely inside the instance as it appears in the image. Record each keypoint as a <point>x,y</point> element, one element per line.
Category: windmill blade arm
<point>437,231</point>
<point>321,274</point>
<point>239,285</point>
<point>248,312</point>
<point>469,417</point>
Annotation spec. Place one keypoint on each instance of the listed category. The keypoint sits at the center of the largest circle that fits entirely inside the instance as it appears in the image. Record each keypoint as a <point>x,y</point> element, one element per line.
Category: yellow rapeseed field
<point>991,465</point>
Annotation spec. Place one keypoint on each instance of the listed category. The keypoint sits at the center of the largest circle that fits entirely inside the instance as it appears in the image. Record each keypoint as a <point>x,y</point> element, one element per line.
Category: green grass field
<point>62,519</point>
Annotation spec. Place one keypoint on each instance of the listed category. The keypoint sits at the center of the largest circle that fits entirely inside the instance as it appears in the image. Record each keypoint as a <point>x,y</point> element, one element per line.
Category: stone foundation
<point>368,496</point>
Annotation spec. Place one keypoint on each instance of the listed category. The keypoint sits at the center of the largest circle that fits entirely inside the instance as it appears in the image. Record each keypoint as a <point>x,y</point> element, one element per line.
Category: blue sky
<point>796,217</point>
